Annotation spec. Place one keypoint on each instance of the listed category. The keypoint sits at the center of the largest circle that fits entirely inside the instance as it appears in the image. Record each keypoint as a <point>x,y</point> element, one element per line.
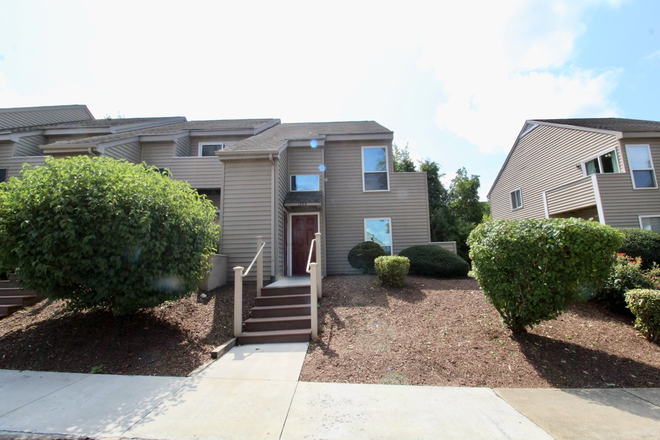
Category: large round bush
<point>641,243</point>
<point>531,270</point>
<point>363,254</point>
<point>107,233</point>
<point>435,261</point>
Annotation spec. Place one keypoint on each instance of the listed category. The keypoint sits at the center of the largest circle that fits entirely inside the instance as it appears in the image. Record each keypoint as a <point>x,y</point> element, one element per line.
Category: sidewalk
<point>253,392</point>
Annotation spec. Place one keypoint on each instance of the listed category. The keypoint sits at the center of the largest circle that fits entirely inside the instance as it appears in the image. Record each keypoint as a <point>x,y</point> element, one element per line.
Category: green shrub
<point>392,270</point>
<point>363,254</point>
<point>434,261</point>
<point>642,243</point>
<point>626,274</point>
<point>531,270</point>
<point>645,305</point>
<point>98,232</point>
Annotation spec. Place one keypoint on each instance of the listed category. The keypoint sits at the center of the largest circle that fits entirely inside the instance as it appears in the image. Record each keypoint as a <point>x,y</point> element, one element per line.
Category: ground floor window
<point>652,223</point>
<point>516,199</point>
<point>379,230</point>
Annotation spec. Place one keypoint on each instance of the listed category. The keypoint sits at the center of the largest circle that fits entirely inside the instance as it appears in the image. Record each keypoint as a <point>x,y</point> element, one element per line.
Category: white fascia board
<point>207,133</point>
<point>639,135</point>
<point>75,148</point>
<point>15,137</point>
<point>247,155</point>
<point>360,137</point>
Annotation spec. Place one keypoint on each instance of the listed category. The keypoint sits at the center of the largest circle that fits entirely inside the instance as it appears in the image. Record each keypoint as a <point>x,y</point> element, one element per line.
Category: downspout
<point>273,217</point>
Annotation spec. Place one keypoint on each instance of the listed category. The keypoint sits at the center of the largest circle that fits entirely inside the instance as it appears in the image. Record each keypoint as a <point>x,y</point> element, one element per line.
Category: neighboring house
<point>601,168</point>
<point>283,182</point>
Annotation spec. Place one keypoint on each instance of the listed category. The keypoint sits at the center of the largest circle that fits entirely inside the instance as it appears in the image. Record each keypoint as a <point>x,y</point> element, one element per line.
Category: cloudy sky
<point>454,80</point>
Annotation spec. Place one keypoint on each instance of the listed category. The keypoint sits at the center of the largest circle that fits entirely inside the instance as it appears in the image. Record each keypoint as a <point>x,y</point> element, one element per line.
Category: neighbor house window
<point>379,231</point>
<point>605,163</point>
<point>641,166</point>
<point>374,169</point>
<point>305,182</point>
<point>209,148</point>
<point>3,174</point>
<point>516,199</point>
<point>652,223</point>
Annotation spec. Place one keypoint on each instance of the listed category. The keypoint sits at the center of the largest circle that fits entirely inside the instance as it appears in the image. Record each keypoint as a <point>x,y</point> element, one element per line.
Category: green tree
<point>466,209</point>
<point>98,232</point>
<point>440,217</point>
<point>403,163</point>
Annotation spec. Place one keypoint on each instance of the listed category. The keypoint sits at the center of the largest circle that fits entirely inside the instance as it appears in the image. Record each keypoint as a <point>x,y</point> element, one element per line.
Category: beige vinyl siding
<point>545,158</point>
<point>305,160</point>
<point>282,190</point>
<point>129,151</point>
<point>14,165</point>
<point>572,196</point>
<point>622,205</point>
<point>346,205</point>
<point>182,147</point>
<point>29,146</point>
<point>246,213</point>
<point>200,172</point>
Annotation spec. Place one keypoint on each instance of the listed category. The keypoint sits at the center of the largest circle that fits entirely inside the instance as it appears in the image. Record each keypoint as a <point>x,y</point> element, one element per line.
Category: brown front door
<point>303,228</point>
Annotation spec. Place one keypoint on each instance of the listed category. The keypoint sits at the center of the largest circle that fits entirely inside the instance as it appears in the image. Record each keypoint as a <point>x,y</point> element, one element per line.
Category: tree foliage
<point>104,233</point>
<point>531,270</point>
<point>403,163</point>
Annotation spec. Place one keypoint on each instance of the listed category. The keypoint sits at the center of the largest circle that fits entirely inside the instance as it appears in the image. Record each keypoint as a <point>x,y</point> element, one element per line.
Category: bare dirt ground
<point>444,332</point>
<point>432,332</point>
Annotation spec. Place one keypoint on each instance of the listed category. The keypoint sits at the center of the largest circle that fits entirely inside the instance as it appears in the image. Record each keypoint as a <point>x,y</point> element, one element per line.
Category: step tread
<point>280,319</point>
<point>281,307</point>
<point>277,332</point>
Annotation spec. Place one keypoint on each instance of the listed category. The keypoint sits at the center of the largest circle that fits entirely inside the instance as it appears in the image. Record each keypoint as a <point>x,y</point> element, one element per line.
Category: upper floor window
<point>605,163</point>
<point>305,182</point>
<point>641,166</point>
<point>379,231</point>
<point>209,148</point>
<point>516,199</point>
<point>375,176</point>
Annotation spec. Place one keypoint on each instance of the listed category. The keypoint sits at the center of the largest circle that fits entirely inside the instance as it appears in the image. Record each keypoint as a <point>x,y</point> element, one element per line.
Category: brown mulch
<point>170,340</point>
<point>431,332</point>
<point>444,332</point>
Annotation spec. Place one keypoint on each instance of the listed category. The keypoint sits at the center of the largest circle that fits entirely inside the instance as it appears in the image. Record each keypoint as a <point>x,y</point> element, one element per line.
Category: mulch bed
<point>170,340</point>
<point>444,332</point>
<point>431,332</point>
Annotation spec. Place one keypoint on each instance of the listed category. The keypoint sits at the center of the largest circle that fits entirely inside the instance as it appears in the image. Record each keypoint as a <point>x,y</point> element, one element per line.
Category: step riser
<point>8,310</point>
<point>277,291</point>
<point>20,300</point>
<point>298,324</point>
<point>15,291</point>
<point>282,301</point>
<point>280,313</point>
<point>272,339</point>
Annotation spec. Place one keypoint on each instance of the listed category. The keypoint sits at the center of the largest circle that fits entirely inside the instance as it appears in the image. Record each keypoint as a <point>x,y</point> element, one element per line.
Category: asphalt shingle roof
<point>609,124</point>
<point>275,137</point>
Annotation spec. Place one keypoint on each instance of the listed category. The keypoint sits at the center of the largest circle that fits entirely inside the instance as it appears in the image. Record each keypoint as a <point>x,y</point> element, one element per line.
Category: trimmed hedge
<point>98,232</point>
<point>392,270</point>
<point>434,261</point>
<point>626,274</point>
<point>645,305</point>
<point>531,270</point>
<point>641,243</point>
<point>363,254</point>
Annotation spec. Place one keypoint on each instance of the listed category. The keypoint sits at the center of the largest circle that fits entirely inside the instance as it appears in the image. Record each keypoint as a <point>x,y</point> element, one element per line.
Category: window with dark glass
<point>374,169</point>
<point>209,148</point>
<point>305,182</point>
<point>641,166</point>
<point>605,163</point>
<point>516,199</point>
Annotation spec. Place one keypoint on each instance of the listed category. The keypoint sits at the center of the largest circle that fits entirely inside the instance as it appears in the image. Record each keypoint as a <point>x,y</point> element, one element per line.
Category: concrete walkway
<point>253,392</point>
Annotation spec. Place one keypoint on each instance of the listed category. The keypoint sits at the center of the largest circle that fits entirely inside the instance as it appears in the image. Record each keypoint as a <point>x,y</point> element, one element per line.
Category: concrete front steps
<point>13,298</point>
<point>281,314</point>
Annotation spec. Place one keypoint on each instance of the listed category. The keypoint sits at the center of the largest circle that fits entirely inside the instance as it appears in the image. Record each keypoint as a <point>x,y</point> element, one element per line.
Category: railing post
<point>319,287</point>
<point>238,301</point>
<point>314,301</point>
<point>260,267</point>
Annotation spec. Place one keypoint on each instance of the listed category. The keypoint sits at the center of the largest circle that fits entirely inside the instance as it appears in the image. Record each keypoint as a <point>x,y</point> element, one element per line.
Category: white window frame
<point>515,208</point>
<point>652,169</point>
<point>387,169</point>
<point>583,165</point>
<point>203,144</point>
<point>318,181</point>
<point>389,220</point>
<point>641,224</point>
